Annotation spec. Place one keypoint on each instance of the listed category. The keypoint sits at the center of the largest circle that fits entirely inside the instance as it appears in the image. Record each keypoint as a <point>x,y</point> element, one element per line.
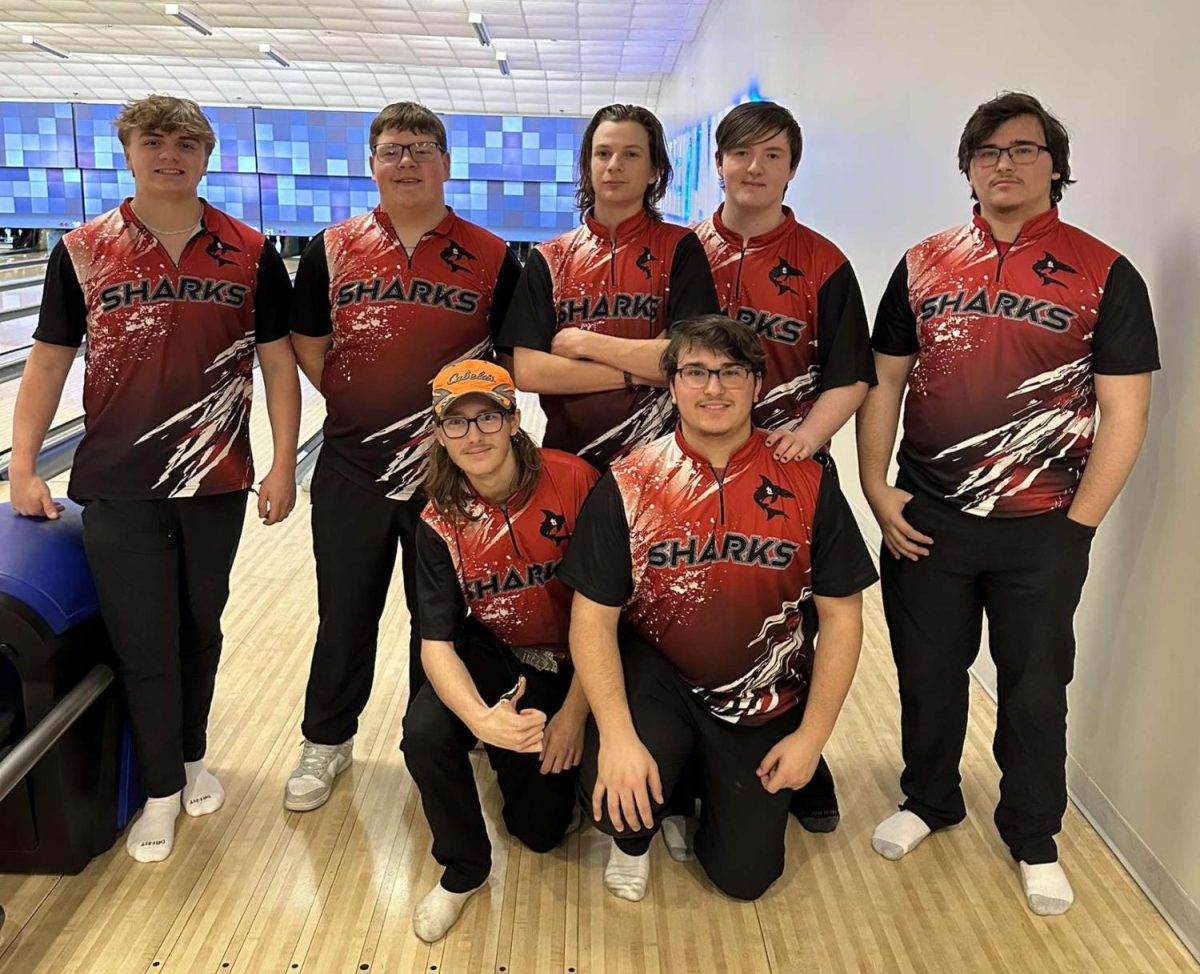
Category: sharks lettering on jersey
<point>381,290</point>
<point>773,327</point>
<point>127,294</point>
<point>1004,304</point>
<point>514,580</point>
<point>738,549</point>
<point>575,311</point>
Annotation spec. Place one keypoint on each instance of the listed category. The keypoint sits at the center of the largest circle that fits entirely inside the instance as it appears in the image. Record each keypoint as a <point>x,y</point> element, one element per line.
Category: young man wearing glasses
<point>500,516</point>
<point>382,302</point>
<point>1009,332</point>
<point>716,560</point>
<point>799,293</point>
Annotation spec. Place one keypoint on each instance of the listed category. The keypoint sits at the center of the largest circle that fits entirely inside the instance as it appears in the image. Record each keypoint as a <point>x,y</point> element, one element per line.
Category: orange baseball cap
<point>472,376</point>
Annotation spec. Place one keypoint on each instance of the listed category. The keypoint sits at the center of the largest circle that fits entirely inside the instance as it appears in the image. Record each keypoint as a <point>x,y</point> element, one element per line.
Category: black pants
<point>1027,575</point>
<point>355,533</point>
<point>537,807</point>
<point>740,842</point>
<point>162,577</point>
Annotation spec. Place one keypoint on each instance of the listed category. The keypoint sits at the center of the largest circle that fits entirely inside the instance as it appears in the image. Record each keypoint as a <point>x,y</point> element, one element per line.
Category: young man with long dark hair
<point>494,634</point>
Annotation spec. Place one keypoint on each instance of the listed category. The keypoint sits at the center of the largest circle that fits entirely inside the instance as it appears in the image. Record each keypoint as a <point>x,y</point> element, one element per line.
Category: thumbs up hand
<point>505,725</point>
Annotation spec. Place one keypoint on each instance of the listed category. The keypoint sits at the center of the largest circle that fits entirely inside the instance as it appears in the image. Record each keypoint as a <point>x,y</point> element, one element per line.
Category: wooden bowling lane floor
<point>254,889</point>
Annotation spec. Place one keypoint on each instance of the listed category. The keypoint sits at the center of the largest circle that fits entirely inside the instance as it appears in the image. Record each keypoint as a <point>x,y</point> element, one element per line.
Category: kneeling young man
<point>501,511</point>
<point>717,559</point>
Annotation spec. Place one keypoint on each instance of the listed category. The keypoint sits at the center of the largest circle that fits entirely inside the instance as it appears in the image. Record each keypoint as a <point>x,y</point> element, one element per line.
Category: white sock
<point>203,794</point>
<point>626,876</point>
<point>1047,889</point>
<point>897,835</point>
<point>152,837</point>
<point>679,833</point>
<point>438,911</point>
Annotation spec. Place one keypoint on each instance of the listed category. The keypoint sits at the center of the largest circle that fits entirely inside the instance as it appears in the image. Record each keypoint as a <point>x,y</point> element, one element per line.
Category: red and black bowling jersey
<point>503,565</point>
<point>396,319</point>
<point>718,571</point>
<point>170,351</point>
<point>799,293</point>
<point>634,284</point>
<point>1001,405</point>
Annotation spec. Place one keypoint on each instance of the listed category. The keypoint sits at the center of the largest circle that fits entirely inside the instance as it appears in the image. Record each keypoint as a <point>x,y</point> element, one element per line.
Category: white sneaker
<point>308,787</point>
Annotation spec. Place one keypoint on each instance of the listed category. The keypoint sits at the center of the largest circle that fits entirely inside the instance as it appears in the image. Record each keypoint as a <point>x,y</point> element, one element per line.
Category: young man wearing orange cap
<point>500,514</point>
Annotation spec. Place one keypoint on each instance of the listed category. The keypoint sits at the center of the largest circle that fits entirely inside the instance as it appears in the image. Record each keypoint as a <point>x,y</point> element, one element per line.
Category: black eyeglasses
<point>420,151</point>
<point>1021,153</point>
<point>730,376</point>
<point>456,427</point>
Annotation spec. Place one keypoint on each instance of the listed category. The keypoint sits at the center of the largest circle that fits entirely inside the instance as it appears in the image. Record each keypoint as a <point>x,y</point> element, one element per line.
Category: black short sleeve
<point>312,312</point>
<point>895,324</point>
<point>62,319</point>
<point>531,320</point>
<point>272,297</point>
<point>598,564</point>
<point>439,594</point>
<point>841,565</point>
<point>692,291</point>
<point>843,339</point>
<point>1125,342</point>
<point>502,294</point>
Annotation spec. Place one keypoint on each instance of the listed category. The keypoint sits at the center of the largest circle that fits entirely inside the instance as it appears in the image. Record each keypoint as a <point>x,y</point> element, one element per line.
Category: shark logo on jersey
<point>554,527</point>
<point>455,252</point>
<point>218,248</point>
<point>768,495</point>
<point>781,273</point>
<point>643,262</point>
<point>1052,265</point>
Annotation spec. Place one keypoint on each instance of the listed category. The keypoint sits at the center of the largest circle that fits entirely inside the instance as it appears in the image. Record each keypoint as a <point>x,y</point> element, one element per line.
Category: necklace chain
<point>170,233</point>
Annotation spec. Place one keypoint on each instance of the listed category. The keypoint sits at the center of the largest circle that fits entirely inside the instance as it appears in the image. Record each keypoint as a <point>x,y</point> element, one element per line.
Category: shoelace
<point>316,758</point>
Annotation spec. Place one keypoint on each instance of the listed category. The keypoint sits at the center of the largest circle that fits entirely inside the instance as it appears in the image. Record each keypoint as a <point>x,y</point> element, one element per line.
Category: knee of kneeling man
<point>742,884</point>
<point>540,840</point>
<point>425,731</point>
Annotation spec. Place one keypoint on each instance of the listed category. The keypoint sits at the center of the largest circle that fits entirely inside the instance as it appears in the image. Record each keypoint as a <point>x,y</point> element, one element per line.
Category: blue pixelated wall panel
<point>45,198</point>
<point>306,143</point>
<point>235,193</point>
<point>36,135</point>
<point>512,174</point>
<point>513,147</point>
<point>538,210</point>
<point>99,148</point>
<point>302,205</point>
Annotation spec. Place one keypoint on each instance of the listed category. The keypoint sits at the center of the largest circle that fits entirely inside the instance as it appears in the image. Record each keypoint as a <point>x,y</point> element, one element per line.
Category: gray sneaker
<point>309,785</point>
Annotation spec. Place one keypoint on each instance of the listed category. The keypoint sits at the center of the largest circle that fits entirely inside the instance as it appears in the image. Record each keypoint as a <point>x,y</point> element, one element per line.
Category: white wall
<point>882,90</point>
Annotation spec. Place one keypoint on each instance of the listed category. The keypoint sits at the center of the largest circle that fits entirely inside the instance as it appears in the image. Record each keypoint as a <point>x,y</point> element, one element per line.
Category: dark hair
<point>757,121</point>
<point>1008,105</point>
<point>718,334</point>
<point>585,192</point>
<point>450,492</point>
<point>408,116</point>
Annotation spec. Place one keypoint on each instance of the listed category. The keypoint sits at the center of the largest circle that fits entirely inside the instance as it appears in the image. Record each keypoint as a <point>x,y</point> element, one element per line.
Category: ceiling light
<point>481,31</point>
<point>502,63</point>
<point>187,17</point>
<point>274,55</point>
<point>28,39</point>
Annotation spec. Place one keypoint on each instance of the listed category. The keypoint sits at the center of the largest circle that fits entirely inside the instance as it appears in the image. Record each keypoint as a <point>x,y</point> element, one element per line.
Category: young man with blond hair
<point>174,298</point>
